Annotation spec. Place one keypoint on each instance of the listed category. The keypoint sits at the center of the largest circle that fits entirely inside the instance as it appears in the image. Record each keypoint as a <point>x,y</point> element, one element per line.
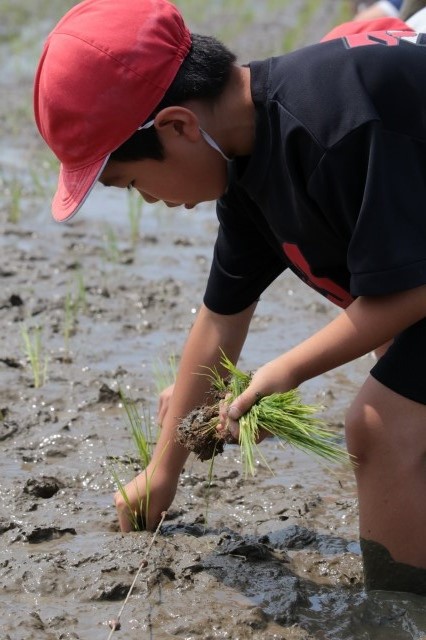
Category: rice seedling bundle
<point>280,415</point>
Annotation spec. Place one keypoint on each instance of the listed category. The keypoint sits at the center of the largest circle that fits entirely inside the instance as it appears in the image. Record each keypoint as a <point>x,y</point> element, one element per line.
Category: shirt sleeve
<point>372,186</point>
<point>246,256</point>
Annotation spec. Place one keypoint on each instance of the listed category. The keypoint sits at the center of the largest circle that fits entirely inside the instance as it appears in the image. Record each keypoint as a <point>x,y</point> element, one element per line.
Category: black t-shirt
<point>335,187</point>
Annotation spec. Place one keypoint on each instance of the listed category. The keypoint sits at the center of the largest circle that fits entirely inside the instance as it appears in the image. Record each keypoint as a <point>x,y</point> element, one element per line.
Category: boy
<point>318,162</point>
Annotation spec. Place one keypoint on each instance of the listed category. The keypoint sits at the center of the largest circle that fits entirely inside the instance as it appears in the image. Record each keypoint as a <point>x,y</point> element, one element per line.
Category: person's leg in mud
<point>386,432</point>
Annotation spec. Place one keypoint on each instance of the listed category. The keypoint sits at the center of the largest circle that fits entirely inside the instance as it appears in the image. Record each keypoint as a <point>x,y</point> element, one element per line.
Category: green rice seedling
<point>39,188</point>
<point>15,192</point>
<point>80,293</point>
<point>165,374</point>
<point>134,519</point>
<point>73,304</point>
<point>143,439</point>
<point>138,516</point>
<point>34,353</point>
<point>140,429</point>
<point>69,324</point>
<point>281,415</point>
<point>111,250</point>
<point>134,212</point>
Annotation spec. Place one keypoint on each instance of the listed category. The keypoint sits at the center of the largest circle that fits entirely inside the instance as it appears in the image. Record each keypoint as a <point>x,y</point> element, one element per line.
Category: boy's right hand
<point>153,488</point>
<point>164,403</point>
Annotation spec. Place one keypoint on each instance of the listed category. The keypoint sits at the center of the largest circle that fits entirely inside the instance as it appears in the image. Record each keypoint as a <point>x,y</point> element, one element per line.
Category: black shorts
<point>403,367</point>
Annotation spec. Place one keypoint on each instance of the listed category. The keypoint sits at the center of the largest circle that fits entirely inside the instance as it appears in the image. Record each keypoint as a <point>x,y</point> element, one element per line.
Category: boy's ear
<point>178,121</point>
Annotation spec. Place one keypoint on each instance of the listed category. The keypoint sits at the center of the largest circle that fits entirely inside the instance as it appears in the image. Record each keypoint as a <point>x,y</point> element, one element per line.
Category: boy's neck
<point>230,120</point>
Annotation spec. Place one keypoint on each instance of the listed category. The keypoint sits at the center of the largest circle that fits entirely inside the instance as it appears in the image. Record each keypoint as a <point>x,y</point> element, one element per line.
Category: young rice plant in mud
<point>281,415</point>
<point>142,436</point>
<point>15,193</point>
<point>165,375</point>
<point>34,353</point>
<point>74,303</point>
<point>134,213</point>
<point>111,249</point>
<point>141,430</point>
<point>144,440</point>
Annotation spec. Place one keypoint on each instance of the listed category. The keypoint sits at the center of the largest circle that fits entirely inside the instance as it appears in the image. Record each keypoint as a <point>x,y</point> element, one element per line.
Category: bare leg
<point>380,351</point>
<point>387,434</point>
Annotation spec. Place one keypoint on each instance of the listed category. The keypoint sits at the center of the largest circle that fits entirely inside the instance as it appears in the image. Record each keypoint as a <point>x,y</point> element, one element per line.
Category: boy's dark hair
<point>203,75</point>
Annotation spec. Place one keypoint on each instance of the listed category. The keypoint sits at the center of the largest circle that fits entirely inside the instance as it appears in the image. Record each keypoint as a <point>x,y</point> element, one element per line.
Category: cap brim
<point>73,188</point>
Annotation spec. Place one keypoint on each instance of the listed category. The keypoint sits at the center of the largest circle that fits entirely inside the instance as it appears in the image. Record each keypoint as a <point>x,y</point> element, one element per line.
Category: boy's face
<point>191,173</point>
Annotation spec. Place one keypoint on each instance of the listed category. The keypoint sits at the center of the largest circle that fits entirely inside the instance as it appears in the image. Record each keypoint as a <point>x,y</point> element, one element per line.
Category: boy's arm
<point>366,324</point>
<point>210,333</point>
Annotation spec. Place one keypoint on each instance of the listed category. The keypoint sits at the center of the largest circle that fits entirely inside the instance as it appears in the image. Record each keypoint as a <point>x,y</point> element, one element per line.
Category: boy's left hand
<point>267,380</point>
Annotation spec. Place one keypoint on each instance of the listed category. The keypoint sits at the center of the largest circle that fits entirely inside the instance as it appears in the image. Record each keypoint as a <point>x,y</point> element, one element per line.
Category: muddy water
<point>270,557</point>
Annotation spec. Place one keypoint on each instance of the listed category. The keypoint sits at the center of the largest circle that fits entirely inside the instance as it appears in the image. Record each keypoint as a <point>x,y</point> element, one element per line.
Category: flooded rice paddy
<point>110,298</point>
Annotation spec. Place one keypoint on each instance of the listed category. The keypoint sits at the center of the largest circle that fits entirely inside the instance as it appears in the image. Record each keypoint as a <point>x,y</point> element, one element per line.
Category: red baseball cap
<point>103,70</point>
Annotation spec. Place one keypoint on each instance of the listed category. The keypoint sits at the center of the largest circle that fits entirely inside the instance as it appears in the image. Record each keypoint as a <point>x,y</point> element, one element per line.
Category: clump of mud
<point>197,431</point>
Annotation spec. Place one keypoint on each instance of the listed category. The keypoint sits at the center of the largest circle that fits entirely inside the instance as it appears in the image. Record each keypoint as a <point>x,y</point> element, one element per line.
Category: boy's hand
<point>163,403</point>
<point>271,378</point>
<point>153,488</point>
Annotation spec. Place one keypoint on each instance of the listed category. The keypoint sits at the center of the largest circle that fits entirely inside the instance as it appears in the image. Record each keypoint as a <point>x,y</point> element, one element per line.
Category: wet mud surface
<point>275,556</point>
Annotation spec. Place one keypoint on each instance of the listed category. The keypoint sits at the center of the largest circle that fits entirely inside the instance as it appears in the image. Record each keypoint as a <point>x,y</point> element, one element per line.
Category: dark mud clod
<point>44,487</point>
<point>197,432</point>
